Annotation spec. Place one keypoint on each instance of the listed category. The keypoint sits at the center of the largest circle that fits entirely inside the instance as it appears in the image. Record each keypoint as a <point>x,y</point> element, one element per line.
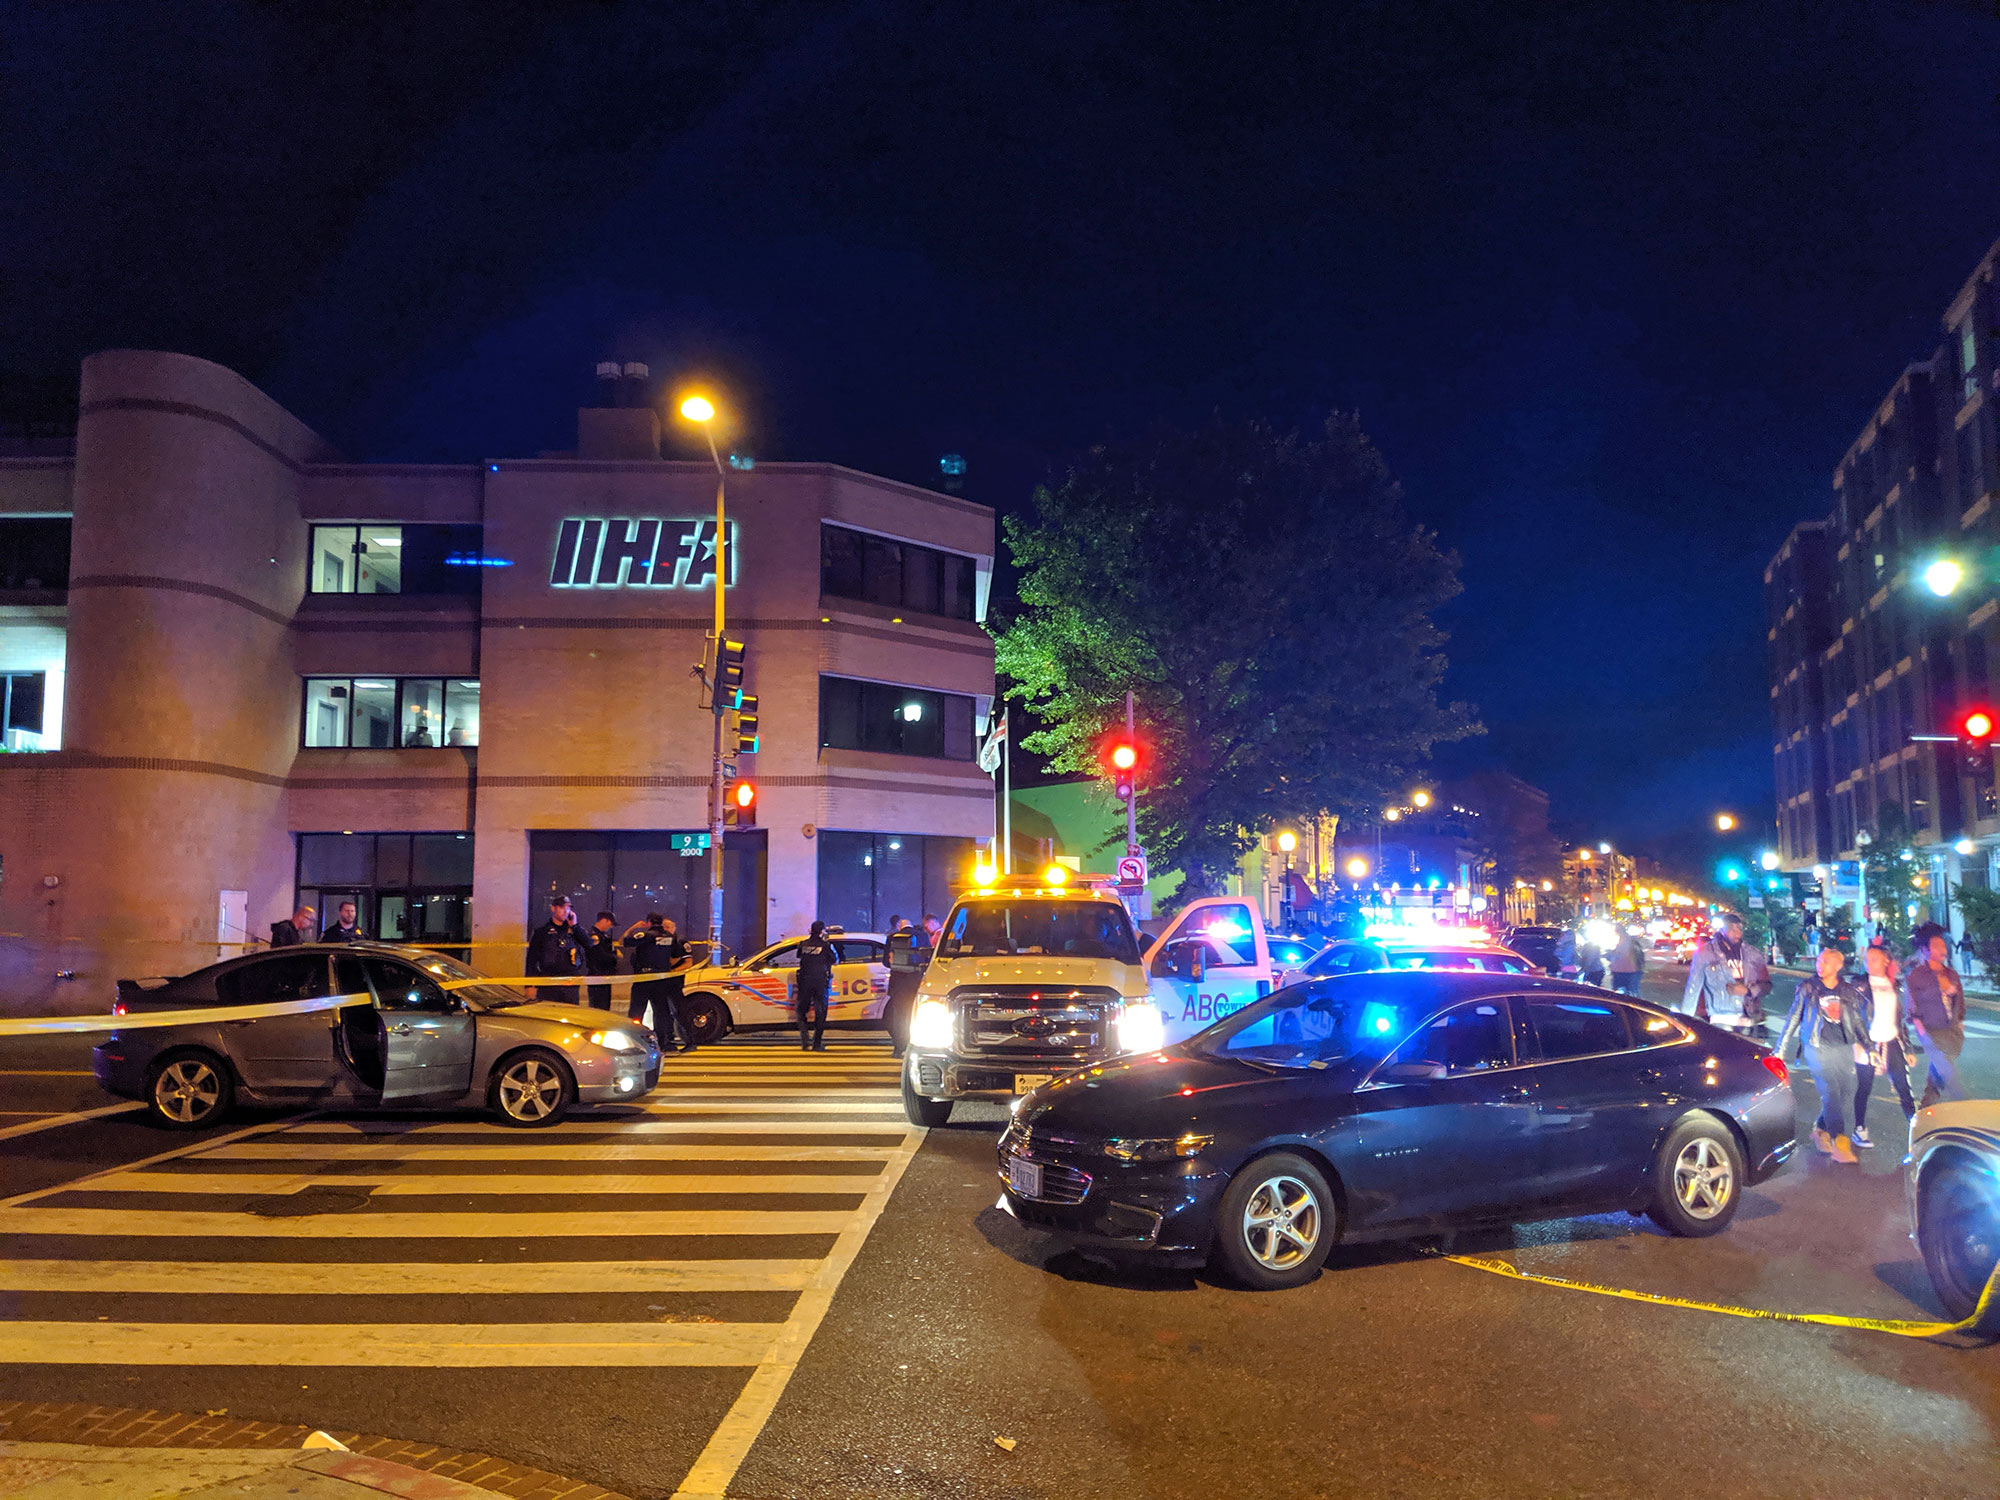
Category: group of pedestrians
<point>560,948</point>
<point>1851,1029</point>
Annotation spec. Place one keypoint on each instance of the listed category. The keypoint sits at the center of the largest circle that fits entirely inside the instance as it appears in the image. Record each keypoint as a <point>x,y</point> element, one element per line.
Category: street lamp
<point>1768,859</point>
<point>1943,577</point>
<point>701,411</point>
<point>1420,799</point>
<point>1357,868</point>
<point>1725,821</point>
<point>1288,841</point>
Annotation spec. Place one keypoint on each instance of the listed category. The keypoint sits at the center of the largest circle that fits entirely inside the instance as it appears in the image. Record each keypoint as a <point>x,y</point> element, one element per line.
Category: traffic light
<point>728,669</point>
<point>1121,756</point>
<point>739,808</point>
<point>746,722</point>
<point>1976,725</point>
<point>1975,731</point>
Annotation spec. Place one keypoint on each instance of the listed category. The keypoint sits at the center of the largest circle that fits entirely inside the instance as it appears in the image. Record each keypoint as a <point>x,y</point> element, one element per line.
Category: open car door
<point>428,1036</point>
<point>1213,959</point>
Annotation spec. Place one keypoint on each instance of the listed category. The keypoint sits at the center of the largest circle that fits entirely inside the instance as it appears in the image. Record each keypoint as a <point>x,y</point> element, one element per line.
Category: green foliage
<point>1270,604</point>
<point>1896,877</point>
<point>1784,923</point>
<point>1980,908</point>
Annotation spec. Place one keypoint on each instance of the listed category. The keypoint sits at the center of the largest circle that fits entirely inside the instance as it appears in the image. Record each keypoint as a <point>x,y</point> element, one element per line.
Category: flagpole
<point>1006,800</point>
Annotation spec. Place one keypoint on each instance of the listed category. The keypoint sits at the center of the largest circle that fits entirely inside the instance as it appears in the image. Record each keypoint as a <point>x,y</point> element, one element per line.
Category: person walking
<point>555,949</point>
<point>1936,998</point>
<point>344,929</point>
<point>1627,961</point>
<point>905,975</point>
<point>600,956</point>
<point>1728,979</point>
<point>1888,1043</point>
<point>656,948</point>
<point>815,982</point>
<point>294,930</point>
<point>1829,1022</point>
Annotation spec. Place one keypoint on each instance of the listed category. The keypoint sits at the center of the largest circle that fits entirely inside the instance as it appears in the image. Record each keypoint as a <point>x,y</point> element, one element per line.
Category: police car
<point>763,989</point>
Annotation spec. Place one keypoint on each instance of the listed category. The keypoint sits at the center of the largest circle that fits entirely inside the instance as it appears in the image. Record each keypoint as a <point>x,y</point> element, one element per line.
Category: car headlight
<point>616,1041</point>
<point>930,1025</point>
<point>1158,1148</point>
<point>1141,1028</point>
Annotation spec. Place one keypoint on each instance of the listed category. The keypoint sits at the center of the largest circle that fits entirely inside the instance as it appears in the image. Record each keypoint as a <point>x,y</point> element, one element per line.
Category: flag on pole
<point>995,746</point>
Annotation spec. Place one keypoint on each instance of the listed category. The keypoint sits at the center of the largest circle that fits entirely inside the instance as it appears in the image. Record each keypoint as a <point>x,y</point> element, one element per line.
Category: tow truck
<point>1038,975</point>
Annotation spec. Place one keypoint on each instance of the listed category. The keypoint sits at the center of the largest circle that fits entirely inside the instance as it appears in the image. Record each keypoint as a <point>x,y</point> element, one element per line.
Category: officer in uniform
<point>657,949</point>
<point>554,948</point>
<point>600,956</point>
<point>817,956</point>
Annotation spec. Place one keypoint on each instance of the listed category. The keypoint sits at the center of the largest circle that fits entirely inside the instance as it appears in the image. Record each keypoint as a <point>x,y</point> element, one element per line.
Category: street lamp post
<point>700,411</point>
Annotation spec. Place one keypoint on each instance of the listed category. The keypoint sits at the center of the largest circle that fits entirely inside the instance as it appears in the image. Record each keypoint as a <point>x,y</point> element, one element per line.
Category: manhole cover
<point>311,1200</point>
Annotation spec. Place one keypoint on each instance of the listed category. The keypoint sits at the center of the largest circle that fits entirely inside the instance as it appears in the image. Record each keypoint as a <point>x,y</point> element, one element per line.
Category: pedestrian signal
<point>740,809</point>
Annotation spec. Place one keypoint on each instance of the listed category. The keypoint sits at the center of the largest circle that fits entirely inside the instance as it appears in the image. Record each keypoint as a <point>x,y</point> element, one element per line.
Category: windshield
<point>486,996</point>
<point>1313,1025</point>
<point>1066,929</point>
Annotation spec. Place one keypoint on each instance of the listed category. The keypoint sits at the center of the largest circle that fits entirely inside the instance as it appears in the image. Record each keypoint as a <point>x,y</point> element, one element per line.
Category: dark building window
<point>867,878</point>
<point>856,715</point>
<point>34,552</point>
<point>390,713</point>
<point>898,575</point>
<point>633,873</point>
<point>23,710</point>
<point>394,559</point>
<point>406,887</point>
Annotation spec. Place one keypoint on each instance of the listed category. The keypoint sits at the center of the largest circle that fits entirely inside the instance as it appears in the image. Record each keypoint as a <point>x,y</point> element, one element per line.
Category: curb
<point>80,1423</point>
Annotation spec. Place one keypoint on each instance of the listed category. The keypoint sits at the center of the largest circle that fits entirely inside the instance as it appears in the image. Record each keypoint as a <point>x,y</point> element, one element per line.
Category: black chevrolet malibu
<point>1387,1105</point>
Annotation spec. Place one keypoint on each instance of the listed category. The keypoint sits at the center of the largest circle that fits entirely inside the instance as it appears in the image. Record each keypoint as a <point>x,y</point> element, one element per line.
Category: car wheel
<point>531,1089</point>
<point>1958,1230</point>
<point>706,1018</point>
<point>1698,1179</point>
<point>1277,1222</point>
<point>921,1110</point>
<point>189,1089</point>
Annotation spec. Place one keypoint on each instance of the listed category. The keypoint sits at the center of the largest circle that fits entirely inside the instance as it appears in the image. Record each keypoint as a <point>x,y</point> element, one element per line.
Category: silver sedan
<point>405,1041</point>
<point>1953,1179</point>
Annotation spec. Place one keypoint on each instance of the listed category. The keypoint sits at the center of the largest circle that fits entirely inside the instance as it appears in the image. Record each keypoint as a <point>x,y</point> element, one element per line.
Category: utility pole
<point>1132,801</point>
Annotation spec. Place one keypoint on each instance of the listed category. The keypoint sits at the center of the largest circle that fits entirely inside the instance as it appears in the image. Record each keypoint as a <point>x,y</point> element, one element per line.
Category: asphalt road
<point>1394,1374</point>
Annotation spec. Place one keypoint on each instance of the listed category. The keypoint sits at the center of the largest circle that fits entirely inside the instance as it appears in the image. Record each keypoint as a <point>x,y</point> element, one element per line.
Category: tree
<point>1897,879</point>
<point>1268,602</point>
<point>1980,908</point>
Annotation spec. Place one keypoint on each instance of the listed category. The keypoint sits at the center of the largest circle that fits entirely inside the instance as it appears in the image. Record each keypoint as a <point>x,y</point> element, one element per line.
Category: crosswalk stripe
<point>380,1278</point>
<point>388,1226</point>
<point>391,1184</point>
<point>545,1150</point>
<point>782,1104</point>
<point>408,1345</point>
<point>805,1131</point>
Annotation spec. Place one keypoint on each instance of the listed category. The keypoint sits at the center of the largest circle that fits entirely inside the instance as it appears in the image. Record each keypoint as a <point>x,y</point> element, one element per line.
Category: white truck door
<point>1227,934</point>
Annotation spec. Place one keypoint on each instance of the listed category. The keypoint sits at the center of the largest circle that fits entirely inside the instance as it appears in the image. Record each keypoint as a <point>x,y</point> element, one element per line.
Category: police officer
<point>554,948</point>
<point>600,956</point>
<point>817,956</point>
<point>906,970</point>
<point>344,930</point>
<point>656,948</point>
<point>295,929</point>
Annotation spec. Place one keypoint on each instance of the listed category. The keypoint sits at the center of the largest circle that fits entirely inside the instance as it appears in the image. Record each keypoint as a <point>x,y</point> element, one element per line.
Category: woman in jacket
<point>1829,1020</point>
<point>1888,1042</point>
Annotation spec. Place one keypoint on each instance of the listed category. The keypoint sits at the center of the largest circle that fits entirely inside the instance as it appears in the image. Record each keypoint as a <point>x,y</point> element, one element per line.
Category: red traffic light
<point>1977,725</point>
<point>1124,755</point>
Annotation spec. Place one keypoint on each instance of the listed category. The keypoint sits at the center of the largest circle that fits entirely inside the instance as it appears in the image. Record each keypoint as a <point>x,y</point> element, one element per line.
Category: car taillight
<point>118,1008</point>
<point>1774,1065</point>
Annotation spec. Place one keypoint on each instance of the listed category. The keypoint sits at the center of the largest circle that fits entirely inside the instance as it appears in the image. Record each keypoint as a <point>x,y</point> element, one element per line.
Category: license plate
<point>1024,1176</point>
<point>1025,1081</point>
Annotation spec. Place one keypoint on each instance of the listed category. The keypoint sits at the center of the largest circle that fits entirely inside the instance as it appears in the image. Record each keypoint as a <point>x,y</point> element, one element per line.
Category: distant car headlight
<point>930,1025</point>
<point>616,1041</point>
<point>1142,1028</point>
<point>1159,1148</point>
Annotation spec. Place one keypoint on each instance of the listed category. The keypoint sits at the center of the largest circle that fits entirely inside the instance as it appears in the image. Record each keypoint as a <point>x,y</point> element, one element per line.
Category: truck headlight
<point>1142,1028</point>
<point>930,1025</point>
<point>1160,1148</point>
<point>615,1041</point>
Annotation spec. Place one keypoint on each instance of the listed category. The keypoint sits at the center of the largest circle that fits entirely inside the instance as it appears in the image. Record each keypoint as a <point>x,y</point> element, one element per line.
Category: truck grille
<point>1032,1023</point>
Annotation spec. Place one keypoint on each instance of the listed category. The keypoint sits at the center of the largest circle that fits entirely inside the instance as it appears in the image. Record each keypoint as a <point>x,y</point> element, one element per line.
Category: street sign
<point>1811,903</point>
<point>1132,869</point>
<point>1757,903</point>
<point>688,845</point>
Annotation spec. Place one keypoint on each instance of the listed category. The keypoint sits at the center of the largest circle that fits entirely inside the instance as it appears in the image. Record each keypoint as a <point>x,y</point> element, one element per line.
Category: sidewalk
<point>71,1471</point>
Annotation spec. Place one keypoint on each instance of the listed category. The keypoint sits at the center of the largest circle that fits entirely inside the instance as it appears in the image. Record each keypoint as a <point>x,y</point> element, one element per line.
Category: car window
<point>861,951</point>
<point>1468,1038</point>
<point>1355,958</point>
<point>1650,1030</point>
<point>1230,933</point>
<point>1305,1026</point>
<point>786,957</point>
<point>400,987</point>
<point>296,976</point>
<point>1071,929</point>
<point>1578,1028</point>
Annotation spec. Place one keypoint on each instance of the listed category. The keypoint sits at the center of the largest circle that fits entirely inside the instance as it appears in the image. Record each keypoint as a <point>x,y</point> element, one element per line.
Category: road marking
<point>806,1132</point>
<point>46,1073</point>
<point>52,1121</point>
<point>783,1104</point>
<point>542,1150</point>
<point>190,1149</point>
<point>393,1184</point>
<point>405,1345</point>
<point>737,1433</point>
<point>378,1278</point>
<point>199,1223</point>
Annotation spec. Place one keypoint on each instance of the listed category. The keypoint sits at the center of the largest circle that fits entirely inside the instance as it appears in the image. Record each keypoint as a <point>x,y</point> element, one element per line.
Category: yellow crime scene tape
<point>1909,1328</point>
<point>202,1015</point>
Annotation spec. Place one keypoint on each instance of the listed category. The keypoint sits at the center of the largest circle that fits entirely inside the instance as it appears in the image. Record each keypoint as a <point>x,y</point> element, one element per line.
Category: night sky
<point>1613,286</point>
